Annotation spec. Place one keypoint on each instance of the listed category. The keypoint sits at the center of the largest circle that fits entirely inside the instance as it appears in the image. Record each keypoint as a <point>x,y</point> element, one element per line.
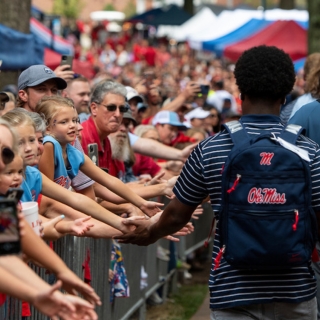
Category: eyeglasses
<point>7,155</point>
<point>113,107</point>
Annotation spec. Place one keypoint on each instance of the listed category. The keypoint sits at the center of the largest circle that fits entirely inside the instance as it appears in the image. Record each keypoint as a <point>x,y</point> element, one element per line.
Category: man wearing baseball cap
<point>196,117</point>
<point>168,125</point>
<point>134,99</point>
<point>3,99</point>
<point>36,82</point>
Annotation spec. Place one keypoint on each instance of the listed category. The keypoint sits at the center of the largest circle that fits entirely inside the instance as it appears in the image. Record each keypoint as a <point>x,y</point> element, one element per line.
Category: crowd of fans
<point>138,119</point>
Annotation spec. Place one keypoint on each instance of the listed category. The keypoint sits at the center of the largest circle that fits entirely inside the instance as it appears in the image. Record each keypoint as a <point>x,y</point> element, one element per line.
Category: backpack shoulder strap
<point>236,131</point>
<point>291,133</point>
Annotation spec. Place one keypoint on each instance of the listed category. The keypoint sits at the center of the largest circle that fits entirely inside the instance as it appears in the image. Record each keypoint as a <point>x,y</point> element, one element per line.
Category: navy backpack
<point>266,220</point>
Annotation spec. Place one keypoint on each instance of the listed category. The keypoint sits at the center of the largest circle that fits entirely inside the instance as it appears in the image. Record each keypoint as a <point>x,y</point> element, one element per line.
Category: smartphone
<point>204,89</point>
<point>9,228</point>
<point>66,60</point>
<point>14,194</point>
<point>93,153</point>
<point>149,77</point>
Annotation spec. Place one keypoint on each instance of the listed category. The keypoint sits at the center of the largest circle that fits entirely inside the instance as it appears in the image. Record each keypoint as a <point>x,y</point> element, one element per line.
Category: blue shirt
<point>201,175</point>
<point>63,175</point>
<point>308,117</point>
<point>31,185</point>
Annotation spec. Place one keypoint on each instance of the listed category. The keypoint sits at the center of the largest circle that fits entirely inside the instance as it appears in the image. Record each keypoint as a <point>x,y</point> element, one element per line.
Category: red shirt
<point>116,168</point>
<point>145,165</point>
<point>90,135</point>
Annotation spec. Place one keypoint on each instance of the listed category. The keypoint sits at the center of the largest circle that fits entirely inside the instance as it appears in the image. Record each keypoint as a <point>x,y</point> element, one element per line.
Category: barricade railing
<point>73,251</point>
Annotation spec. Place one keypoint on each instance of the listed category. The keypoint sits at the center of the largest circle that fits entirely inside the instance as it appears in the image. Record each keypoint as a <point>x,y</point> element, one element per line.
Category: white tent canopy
<point>107,15</point>
<point>229,21</point>
<point>180,33</point>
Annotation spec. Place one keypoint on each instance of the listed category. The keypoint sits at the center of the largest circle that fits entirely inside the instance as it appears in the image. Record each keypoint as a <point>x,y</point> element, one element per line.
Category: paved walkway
<point>203,312</point>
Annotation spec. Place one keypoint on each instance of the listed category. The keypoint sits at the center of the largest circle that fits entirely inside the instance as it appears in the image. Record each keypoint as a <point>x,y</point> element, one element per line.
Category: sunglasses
<point>113,107</point>
<point>7,155</point>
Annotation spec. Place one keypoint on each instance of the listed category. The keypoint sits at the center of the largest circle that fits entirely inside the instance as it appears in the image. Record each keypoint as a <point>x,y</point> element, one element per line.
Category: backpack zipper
<point>218,258</point>
<point>234,184</point>
<point>296,220</point>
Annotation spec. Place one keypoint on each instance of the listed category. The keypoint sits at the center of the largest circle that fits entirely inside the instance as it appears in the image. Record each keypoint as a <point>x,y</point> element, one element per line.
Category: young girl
<point>61,162</point>
<point>12,177</point>
<point>36,183</point>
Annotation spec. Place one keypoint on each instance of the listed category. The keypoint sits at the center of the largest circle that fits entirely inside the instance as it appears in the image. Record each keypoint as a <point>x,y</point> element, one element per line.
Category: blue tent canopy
<point>19,50</point>
<point>249,28</point>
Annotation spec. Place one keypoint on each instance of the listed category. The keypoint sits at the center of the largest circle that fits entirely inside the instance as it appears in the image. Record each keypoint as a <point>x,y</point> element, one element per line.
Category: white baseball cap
<point>197,113</point>
<point>133,93</point>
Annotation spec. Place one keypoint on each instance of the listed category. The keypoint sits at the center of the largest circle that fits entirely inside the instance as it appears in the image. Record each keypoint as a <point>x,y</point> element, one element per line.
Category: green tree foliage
<point>314,26</point>
<point>287,4</point>
<point>67,8</point>
<point>188,6</point>
<point>109,7</point>
<point>130,10</point>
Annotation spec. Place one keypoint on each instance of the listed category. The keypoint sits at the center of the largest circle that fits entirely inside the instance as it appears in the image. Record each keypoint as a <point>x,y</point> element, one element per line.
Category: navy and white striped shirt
<point>201,175</point>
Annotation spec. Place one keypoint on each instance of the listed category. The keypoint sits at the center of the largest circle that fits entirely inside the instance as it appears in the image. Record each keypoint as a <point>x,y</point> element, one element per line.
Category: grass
<point>180,306</point>
<point>190,298</point>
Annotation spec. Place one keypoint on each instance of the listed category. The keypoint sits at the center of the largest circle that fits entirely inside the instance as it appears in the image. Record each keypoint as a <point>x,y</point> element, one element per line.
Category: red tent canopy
<point>52,60</point>
<point>286,35</point>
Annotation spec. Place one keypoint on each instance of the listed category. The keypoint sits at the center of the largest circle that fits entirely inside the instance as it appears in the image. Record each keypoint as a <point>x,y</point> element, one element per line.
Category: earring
<point>240,96</point>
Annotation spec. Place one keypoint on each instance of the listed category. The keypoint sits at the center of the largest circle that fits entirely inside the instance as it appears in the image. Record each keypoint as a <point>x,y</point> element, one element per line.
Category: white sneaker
<point>154,299</point>
<point>161,254</point>
<point>187,275</point>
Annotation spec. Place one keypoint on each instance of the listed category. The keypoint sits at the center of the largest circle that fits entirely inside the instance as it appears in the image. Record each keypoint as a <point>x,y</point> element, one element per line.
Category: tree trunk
<point>286,4</point>
<point>188,6</point>
<point>314,26</point>
<point>14,14</point>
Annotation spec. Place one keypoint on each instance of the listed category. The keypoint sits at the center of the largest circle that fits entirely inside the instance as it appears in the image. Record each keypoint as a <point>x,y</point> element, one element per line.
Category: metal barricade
<point>73,251</point>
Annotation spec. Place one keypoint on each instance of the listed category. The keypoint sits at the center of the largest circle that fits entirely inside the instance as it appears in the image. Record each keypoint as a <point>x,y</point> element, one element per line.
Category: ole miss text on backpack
<point>266,220</point>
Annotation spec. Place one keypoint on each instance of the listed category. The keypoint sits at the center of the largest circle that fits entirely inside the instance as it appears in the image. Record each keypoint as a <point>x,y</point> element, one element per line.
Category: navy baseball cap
<point>38,74</point>
<point>4,97</point>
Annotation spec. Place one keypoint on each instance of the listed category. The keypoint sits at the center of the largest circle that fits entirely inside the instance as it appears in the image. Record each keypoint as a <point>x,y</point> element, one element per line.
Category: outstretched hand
<point>64,72</point>
<point>150,208</point>
<point>73,285</point>
<point>170,184</point>
<point>197,212</point>
<point>80,226</point>
<point>186,151</point>
<point>141,234</point>
<point>51,303</point>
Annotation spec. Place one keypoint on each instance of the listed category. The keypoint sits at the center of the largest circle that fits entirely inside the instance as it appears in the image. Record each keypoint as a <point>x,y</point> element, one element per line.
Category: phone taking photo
<point>93,153</point>
<point>14,194</point>
<point>9,228</point>
<point>204,89</point>
<point>66,60</point>
<point>149,77</point>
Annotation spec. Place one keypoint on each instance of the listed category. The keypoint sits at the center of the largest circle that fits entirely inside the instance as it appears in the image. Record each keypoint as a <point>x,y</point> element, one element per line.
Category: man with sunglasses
<point>108,104</point>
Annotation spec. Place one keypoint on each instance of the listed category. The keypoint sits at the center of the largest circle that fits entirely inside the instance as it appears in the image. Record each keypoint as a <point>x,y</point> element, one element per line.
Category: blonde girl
<point>60,161</point>
<point>35,182</point>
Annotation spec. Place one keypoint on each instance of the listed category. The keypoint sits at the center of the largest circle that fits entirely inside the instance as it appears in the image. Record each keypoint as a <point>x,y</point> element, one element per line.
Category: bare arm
<point>156,149</point>
<point>46,162</point>
<point>145,192</point>
<point>52,208</point>
<point>175,216</point>
<point>35,248</point>
<point>118,187</point>
<point>190,90</point>
<point>80,202</point>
